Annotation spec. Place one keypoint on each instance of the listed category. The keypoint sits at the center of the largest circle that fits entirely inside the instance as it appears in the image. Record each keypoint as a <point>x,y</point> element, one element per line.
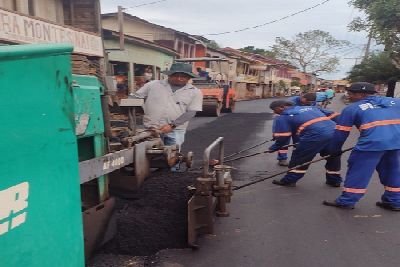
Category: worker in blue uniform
<point>322,99</point>
<point>307,99</point>
<point>378,147</point>
<point>312,129</point>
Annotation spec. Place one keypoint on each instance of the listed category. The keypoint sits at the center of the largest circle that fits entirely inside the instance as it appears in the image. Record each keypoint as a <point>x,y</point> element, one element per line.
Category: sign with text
<point>13,205</point>
<point>27,30</point>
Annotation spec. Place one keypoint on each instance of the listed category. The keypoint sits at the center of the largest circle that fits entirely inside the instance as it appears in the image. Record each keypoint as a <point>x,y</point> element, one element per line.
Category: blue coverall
<point>283,153</point>
<point>313,129</point>
<point>296,101</point>
<point>378,147</point>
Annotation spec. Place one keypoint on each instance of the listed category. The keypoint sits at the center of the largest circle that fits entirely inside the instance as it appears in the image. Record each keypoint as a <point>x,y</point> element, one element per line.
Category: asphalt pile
<point>154,217</point>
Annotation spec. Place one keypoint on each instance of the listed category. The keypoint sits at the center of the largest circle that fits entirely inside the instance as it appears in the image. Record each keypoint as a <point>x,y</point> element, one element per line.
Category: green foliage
<point>295,83</point>
<point>213,45</point>
<point>311,51</point>
<point>259,51</point>
<point>382,22</point>
<point>282,84</point>
<point>377,68</point>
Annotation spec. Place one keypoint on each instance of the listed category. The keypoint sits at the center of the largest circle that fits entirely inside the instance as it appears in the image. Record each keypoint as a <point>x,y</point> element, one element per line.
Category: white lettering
<point>13,203</point>
<point>21,29</point>
<point>114,163</point>
<point>366,106</point>
<point>106,165</point>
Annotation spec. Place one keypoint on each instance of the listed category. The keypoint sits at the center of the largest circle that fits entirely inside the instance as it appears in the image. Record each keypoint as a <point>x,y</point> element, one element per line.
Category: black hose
<point>258,153</point>
<point>247,149</point>
<point>296,167</point>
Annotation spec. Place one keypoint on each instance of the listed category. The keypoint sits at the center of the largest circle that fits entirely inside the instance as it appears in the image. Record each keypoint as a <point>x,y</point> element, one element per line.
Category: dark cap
<point>362,87</point>
<point>181,68</point>
<point>280,103</point>
<point>310,96</point>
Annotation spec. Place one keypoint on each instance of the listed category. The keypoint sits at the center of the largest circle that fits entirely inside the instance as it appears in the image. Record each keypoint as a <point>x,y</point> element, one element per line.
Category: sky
<point>212,16</point>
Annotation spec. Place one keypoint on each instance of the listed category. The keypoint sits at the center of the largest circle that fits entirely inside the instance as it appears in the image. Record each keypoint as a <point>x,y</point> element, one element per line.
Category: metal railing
<point>207,152</point>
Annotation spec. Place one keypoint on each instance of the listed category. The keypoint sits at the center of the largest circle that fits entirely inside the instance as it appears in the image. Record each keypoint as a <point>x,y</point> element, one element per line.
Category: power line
<point>146,4</point>
<point>271,22</point>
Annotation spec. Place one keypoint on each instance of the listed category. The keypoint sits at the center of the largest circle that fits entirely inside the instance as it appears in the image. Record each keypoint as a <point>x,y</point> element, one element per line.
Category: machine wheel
<point>211,108</point>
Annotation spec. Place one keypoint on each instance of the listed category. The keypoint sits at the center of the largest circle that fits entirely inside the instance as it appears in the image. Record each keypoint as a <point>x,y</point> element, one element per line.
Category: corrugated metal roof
<point>139,41</point>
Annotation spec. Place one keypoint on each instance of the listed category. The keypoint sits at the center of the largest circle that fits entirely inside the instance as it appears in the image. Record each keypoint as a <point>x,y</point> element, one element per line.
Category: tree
<point>259,51</point>
<point>213,44</point>
<point>311,51</point>
<point>382,22</point>
<point>376,68</point>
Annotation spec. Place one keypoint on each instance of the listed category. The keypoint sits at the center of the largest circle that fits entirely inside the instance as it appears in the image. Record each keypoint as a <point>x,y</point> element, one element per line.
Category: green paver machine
<point>40,208</point>
<point>55,206</point>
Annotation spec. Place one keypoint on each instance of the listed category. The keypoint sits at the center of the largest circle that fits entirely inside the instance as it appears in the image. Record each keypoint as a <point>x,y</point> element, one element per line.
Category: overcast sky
<point>215,16</point>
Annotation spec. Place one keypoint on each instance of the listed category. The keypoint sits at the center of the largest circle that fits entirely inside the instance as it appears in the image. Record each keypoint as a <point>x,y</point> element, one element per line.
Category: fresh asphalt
<point>278,226</point>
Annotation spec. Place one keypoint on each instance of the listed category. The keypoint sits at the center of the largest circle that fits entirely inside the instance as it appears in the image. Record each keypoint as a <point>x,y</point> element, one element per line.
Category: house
<point>275,75</point>
<point>307,81</point>
<point>139,59</point>
<point>340,85</point>
<point>183,43</point>
<point>245,80</point>
<point>56,21</point>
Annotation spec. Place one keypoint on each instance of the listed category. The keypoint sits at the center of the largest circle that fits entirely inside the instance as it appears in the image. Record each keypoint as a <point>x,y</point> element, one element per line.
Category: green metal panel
<point>40,210</point>
<point>87,91</point>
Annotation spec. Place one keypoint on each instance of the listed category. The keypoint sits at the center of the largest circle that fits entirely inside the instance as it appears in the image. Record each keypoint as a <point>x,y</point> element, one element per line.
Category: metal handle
<point>206,156</point>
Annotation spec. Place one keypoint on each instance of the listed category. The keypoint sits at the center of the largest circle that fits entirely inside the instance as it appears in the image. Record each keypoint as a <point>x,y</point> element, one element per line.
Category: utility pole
<point>121,28</point>
<point>368,47</point>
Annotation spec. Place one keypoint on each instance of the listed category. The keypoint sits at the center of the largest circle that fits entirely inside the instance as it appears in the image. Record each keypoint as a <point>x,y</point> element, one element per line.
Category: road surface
<point>278,226</point>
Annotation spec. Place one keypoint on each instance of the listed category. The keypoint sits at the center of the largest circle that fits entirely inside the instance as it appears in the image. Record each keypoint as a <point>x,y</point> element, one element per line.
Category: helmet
<point>362,87</point>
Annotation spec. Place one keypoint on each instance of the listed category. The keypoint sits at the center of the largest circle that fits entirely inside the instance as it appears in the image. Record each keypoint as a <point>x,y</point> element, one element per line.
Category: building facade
<point>183,43</point>
<point>56,21</point>
<point>139,59</point>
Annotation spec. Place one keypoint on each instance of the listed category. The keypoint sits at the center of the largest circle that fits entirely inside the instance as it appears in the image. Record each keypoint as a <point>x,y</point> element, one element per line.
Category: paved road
<point>277,226</point>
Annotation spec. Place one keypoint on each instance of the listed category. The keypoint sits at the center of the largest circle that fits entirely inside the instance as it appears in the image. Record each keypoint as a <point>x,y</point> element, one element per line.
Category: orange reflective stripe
<point>333,115</point>
<point>310,122</point>
<point>355,190</point>
<point>343,128</point>
<point>283,151</point>
<point>283,134</point>
<point>392,189</point>
<point>298,171</point>
<point>379,123</point>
